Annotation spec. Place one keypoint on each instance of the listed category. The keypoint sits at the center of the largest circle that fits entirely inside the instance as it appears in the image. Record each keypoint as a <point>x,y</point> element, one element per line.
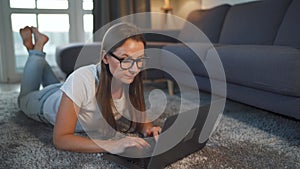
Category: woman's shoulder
<point>85,75</point>
<point>78,86</point>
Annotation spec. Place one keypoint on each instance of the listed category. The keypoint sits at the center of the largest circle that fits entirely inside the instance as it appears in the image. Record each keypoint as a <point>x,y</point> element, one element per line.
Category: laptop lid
<point>188,132</point>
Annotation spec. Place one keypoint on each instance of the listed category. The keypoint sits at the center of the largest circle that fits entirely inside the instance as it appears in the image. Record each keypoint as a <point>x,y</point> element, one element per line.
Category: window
<point>87,5</point>
<point>88,28</point>
<point>64,21</point>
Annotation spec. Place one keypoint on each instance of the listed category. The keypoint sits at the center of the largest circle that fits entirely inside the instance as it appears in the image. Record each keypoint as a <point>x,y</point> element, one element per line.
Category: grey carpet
<point>245,138</point>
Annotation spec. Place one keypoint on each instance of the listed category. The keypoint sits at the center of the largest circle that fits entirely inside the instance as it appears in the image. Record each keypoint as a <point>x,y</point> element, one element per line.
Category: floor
<point>245,138</point>
<point>8,87</point>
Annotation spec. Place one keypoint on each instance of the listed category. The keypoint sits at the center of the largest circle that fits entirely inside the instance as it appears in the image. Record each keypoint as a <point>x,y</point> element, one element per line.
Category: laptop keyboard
<point>134,152</point>
<point>133,157</point>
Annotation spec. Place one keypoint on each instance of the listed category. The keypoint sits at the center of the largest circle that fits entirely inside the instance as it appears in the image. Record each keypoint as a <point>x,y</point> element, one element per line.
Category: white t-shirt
<point>81,88</point>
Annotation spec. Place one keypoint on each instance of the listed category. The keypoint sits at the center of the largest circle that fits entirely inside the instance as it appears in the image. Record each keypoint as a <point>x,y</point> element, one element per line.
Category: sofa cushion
<point>289,33</point>
<point>253,22</point>
<point>270,68</point>
<point>210,22</point>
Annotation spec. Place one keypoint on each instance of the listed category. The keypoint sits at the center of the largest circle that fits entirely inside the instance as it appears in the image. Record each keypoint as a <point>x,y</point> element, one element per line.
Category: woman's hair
<point>115,37</point>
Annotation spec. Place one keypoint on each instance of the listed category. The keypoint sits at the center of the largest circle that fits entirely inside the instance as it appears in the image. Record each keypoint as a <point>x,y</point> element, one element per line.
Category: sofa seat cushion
<point>253,22</point>
<point>270,68</point>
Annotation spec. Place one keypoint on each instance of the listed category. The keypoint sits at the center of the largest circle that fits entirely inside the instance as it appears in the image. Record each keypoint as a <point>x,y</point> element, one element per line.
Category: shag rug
<point>246,137</point>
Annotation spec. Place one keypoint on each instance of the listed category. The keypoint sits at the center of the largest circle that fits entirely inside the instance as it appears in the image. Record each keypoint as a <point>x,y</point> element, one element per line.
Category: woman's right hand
<point>119,146</point>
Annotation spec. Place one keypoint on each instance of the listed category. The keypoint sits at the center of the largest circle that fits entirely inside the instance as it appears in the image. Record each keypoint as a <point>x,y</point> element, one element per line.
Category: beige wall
<point>181,8</point>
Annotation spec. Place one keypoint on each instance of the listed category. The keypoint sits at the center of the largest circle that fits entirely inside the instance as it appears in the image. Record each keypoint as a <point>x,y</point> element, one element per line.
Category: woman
<point>112,87</point>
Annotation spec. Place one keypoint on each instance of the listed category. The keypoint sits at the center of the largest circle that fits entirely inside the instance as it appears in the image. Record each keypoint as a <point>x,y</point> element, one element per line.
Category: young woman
<point>92,95</point>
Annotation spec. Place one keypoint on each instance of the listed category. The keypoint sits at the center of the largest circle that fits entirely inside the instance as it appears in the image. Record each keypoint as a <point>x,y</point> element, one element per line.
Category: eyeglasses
<point>127,63</point>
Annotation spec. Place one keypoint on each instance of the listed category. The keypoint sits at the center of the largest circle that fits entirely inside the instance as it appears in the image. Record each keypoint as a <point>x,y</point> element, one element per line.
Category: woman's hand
<point>119,146</point>
<point>153,131</point>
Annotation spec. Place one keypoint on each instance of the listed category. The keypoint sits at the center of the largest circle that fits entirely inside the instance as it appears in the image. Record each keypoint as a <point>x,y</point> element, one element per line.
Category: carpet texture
<point>245,138</point>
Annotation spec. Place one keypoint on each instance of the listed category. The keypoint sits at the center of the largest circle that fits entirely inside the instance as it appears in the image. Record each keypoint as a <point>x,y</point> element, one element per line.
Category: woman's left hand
<point>153,131</point>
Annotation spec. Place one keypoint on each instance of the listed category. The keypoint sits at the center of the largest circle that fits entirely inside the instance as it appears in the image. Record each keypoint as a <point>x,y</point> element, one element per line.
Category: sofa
<point>258,44</point>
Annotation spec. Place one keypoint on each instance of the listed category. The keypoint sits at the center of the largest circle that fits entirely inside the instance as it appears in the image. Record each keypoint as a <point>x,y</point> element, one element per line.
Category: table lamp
<point>167,7</point>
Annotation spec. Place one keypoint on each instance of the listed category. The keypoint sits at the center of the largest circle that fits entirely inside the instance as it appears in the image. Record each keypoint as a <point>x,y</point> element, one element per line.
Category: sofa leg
<point>170,87</point>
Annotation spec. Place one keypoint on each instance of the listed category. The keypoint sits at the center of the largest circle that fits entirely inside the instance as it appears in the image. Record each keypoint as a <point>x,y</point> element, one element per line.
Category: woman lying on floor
<point>112,87</point>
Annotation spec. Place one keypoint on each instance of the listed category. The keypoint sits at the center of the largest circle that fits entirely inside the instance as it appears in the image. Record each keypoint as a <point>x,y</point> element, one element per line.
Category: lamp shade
<point>167,4</point>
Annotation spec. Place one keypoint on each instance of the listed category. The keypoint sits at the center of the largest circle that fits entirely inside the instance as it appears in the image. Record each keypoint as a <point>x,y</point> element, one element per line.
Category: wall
<point>181,8</point>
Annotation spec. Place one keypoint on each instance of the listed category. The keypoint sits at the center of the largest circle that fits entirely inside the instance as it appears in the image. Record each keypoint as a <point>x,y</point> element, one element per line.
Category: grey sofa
<point>259,46</point>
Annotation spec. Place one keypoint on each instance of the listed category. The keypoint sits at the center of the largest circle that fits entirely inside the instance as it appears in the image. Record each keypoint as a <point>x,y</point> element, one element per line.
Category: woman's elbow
<point>58,143</point>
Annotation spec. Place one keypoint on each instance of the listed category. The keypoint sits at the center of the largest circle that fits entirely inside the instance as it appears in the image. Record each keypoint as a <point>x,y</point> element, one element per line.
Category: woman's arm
<point>64,138</point>
<point>64,128</point>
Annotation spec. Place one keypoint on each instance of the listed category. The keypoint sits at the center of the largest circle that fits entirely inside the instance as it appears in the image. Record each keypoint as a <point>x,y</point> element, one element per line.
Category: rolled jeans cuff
<point>36,53</point>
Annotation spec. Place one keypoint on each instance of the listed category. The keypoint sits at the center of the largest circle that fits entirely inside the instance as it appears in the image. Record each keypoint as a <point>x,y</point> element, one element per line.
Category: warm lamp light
<point>167,4</point>
<point>167,7</point>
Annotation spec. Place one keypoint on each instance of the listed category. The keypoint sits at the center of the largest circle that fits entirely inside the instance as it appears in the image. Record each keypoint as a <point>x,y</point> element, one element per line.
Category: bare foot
<point>26,35</point>
<point>39,39</point>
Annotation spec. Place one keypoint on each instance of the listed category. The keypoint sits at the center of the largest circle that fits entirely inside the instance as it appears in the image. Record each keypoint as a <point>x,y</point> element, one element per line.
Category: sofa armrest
<point>73,55</point>
<point>209,21</point>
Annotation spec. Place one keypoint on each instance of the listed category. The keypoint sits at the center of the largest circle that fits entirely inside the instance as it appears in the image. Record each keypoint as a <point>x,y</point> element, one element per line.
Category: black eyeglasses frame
<point>133,60</point>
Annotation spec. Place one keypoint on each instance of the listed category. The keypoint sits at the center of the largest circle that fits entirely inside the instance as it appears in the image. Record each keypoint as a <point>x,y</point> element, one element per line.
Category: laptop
<point>193,138</point>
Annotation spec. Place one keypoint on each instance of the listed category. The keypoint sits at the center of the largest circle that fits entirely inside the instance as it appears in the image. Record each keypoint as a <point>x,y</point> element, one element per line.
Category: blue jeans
<point>37,72</point>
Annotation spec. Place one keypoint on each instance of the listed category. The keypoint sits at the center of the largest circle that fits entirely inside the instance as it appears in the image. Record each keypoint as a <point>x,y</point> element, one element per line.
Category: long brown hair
<point>113,39</point>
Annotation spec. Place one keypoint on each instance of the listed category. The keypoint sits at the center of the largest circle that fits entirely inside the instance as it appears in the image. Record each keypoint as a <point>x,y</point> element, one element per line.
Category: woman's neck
<point>116,89</point>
